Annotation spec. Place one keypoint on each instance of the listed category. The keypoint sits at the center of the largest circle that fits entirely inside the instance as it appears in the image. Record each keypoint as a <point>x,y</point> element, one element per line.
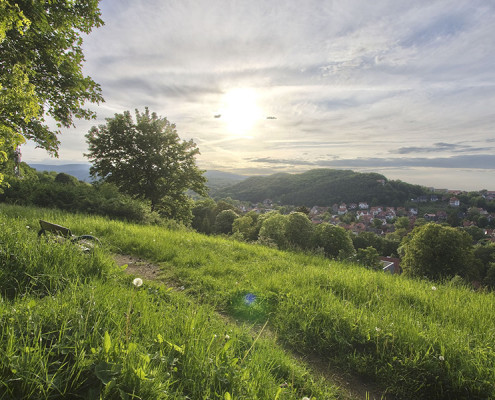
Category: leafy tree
<point>402,223</point>
<point>476,233</point>
<point>384,246</point>
<point>489,279</point>
<point>368,257</point>
<point>437,252</point>
<point>224,221</point>
<point>299,230</point>
<point>420,222</point>
<point>203,215</point>
<point>41,69</point>
<point>66,179</point>
<point>335,241</point>
<point>366,239</point>
<point>485,256</point>
<point>302,209</point>
<point>246,227</point>
<point>273,230</point>
<point>453,217</point>
<point>146,160</point>
<point>397,235</point>
<point>224,204</point>
<point>348,218</point>
<point>482,221</point>
<point>377,223</point>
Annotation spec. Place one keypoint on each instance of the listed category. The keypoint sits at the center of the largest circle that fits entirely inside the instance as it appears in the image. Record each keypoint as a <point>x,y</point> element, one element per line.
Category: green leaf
<point>105,371</point>
<point>140,373</point>
<point>180,349</point>
<point>107,343</point>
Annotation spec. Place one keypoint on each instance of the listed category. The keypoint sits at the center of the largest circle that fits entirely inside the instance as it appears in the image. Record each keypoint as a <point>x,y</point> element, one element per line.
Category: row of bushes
<point>65,192</point>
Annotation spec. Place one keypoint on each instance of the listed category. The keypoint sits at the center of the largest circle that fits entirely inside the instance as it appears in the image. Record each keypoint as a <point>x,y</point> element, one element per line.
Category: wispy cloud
<point>482,161</point>
<point>441,147</point>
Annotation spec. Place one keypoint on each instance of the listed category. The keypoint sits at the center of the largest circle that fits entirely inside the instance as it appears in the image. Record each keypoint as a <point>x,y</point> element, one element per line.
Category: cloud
<point>367,82</point>
<point>482,161</point>
<point>440,147</point>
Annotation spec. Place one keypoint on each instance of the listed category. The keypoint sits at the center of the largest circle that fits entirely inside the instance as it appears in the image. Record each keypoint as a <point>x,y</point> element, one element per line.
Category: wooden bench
<point>59,230</point>
<point>63,233</point>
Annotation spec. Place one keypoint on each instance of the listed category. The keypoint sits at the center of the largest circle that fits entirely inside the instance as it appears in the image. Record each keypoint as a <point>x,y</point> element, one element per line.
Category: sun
<point>241,111</point>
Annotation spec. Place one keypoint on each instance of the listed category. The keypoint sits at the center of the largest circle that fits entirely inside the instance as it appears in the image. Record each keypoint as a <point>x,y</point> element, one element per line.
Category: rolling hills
<point>322,187</point>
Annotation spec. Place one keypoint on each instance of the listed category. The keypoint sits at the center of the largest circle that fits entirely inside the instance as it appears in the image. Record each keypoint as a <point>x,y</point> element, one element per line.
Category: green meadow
<point>74,325</point>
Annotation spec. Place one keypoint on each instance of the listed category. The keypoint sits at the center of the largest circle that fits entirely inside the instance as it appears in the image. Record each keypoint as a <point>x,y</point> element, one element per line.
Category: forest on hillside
<point>322,187</point>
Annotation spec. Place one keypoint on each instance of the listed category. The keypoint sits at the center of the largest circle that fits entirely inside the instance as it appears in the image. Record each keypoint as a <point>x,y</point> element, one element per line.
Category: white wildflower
<point>137,282</point>
<point>441,358</point>
<point>227,337</point>
<point>433,288</point>
<point>377,329</point>
<point>305,398</point>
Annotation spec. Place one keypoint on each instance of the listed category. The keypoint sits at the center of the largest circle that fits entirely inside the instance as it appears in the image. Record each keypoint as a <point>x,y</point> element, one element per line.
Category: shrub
<point>437,252</point>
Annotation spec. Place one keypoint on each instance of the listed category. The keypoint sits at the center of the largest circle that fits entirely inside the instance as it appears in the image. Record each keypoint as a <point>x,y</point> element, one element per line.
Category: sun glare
<point>241,112</point>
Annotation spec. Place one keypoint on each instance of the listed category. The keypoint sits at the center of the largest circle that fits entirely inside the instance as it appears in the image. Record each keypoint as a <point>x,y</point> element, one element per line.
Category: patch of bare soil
<point>352,387</point>
<point>137,266</point>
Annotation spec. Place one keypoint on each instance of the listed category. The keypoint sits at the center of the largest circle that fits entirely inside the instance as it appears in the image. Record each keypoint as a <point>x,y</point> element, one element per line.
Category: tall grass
<point>86,331</point>
<point>415,338</point>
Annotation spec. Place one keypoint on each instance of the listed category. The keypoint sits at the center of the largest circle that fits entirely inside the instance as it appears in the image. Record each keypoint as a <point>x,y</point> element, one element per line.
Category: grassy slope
<point>417,341</point>
<point>71,326</point>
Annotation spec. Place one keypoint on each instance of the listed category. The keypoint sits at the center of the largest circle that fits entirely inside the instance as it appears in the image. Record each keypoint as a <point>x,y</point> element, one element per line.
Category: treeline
<point>435,251</point>
<point>323,187</point>
<point>65,192</point>
<point>292,231</point>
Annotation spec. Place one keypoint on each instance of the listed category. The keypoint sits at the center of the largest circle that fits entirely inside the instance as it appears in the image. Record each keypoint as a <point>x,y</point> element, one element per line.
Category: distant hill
<point>322,187</point>
<point>80,171</point>
<point>216,179</point>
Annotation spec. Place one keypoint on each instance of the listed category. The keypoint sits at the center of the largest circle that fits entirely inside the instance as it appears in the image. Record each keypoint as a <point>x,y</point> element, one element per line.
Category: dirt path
<point>352,386</point>
<point>137,266</point>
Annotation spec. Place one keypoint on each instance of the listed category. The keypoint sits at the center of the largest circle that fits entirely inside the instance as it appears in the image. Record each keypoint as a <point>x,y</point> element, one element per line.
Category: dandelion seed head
<point>137,282</point>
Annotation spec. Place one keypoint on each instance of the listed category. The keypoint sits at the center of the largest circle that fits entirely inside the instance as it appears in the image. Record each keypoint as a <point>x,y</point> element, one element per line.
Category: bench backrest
<point>54,228</point>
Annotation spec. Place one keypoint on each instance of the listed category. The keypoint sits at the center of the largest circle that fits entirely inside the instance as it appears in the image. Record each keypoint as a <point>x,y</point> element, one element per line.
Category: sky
<point>402,88</point>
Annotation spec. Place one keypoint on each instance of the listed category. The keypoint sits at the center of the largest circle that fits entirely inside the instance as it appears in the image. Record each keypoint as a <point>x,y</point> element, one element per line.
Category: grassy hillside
<point>73,326</point>
<point>322,187</point>
<point>414,339</point>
